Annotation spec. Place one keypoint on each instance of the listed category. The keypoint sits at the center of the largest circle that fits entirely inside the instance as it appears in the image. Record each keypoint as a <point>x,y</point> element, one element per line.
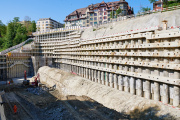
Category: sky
<point>56,9</point>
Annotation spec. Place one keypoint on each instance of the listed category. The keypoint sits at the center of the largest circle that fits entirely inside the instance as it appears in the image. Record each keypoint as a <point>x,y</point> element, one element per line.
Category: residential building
<point>76,18</point>
<point>44,24</point>
<point>158,5</point>
<point>96,13</point>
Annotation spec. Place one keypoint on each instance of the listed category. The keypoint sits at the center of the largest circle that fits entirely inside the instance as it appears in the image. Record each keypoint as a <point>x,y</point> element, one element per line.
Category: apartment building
<point>97,13</point>
<point>76,18</point>
<point>158,5</point>
<point>44,24</point>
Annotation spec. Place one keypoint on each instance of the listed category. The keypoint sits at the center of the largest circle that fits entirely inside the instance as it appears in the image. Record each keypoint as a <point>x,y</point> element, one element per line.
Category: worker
<point>15,109</point>
<point>2,103</point>
<point>25,77</point>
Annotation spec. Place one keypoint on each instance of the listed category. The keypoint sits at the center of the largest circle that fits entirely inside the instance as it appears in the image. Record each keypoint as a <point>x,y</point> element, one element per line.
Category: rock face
<point>120,101</point>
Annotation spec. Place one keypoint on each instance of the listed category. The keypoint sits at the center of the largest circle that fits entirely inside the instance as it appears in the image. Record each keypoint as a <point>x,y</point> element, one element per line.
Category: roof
<point>80,11</point>
<point>108,4</point>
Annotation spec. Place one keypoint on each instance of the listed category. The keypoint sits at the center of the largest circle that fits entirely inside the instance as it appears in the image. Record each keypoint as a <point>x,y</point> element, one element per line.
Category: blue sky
<point>56,9</point>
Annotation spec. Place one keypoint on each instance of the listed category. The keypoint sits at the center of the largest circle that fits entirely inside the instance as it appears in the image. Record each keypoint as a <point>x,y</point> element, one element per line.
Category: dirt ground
<point>38,104</point>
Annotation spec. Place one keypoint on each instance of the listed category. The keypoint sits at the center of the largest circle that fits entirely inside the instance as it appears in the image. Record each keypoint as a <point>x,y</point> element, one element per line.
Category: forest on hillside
<point>15,32</point>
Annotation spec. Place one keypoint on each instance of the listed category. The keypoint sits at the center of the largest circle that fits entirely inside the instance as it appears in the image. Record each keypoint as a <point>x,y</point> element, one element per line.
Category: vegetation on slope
<point>15,32</point>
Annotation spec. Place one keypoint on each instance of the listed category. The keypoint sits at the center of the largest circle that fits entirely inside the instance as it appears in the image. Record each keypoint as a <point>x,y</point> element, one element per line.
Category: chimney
<point>164,24</point>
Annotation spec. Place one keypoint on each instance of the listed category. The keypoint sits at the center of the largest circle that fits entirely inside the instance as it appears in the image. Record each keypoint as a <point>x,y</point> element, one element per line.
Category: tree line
<point>15,32</point>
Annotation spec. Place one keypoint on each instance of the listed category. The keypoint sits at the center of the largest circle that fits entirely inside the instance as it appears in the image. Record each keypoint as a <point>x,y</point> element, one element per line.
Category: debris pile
<point>36,91</point>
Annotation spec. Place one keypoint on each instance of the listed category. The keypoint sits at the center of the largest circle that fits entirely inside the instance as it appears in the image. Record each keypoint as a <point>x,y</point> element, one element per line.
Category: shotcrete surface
<point>120,101</point>
<point>152,20</point>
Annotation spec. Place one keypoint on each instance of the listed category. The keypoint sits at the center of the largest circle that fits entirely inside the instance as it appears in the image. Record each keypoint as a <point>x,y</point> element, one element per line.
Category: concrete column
<point>95,75</point>
<point>92,75</point>
<point>132,86</point>
<point>139,87</point>
<point>102,77</point>
<point>126,81</point>
<point>115,78</point>
<point>176,97</point>
<point>156,91</point>
<point>147,89</point>
<point>87,73</point>
<point>115,81</point>
<point>120,82</point>
<point>106,78</point>
<point>99,76</point>
<point>110,80</point>
<point>165,94</point>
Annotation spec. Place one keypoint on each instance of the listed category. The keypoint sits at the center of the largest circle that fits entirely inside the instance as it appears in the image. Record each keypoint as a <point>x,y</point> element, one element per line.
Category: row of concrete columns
<point>129,84</point>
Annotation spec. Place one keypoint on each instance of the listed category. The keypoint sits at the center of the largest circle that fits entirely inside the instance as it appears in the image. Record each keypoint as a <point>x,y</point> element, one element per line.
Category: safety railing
<point>15,47</point>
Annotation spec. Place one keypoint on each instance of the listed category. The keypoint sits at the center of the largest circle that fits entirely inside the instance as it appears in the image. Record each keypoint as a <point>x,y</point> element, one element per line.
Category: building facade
<point>97,13</point>
<point>158,5</point>
<point>44,24</point>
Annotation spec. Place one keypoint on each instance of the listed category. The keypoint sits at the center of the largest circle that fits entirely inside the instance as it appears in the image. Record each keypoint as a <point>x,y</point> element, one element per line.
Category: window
<point>95,23</point>
<point>100,13</point>
<point>105,17</point>
<point>105,13</point>
<point>87,21</point>
<point>95,14</point>
<point>96,10</point>
<point>46,21</point>
<point>91,14</point>
<point>91,23</point>
<point>91,19</point>
<point>95,18</point>
<point>100,18</point>
<point>104,9</point>
<point>158,5</point>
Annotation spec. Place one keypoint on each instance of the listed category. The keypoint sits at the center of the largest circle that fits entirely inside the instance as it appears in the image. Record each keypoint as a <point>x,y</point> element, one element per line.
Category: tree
<point>144,9</point>
<point>27,18</point>
<point>16,19</point>
<point>2,29</point>
<point>112,14</point>
<point>33,26</point>
<point>9,35</point>
<point>118,11</point>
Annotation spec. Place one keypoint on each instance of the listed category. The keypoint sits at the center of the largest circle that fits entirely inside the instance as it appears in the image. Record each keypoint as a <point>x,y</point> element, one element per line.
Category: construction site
<point>123,70</point>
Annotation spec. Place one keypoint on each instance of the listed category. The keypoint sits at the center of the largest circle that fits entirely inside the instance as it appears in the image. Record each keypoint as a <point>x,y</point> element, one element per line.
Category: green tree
<point>112,14</point>
<point>2,29</point>
<point>16,19</point>
<point>9,35</point>
<point>144,9</point>
<point>118,11</point>
<point>33,26</point>
<point>16,33</point>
